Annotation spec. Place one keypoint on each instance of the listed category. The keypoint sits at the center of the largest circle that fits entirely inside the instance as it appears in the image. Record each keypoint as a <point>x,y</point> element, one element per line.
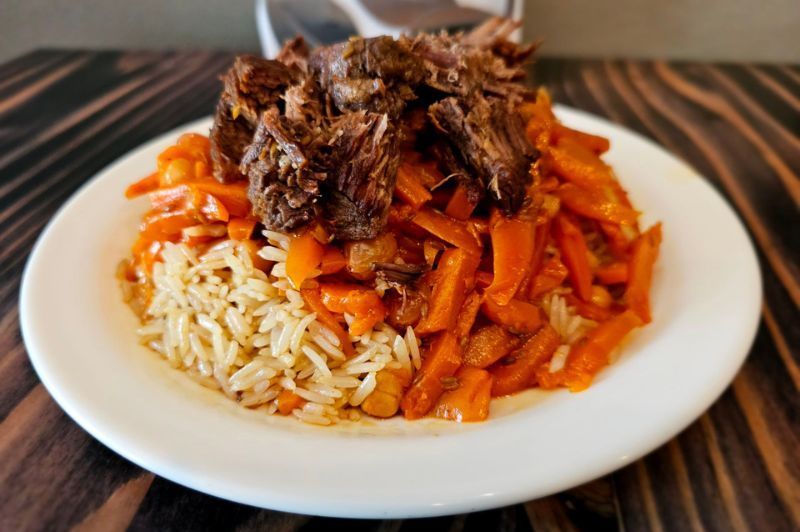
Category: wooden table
<point>65,115</point>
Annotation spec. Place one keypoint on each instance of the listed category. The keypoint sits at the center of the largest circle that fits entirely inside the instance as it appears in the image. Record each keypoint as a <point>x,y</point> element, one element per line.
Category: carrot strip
<point>303,257</point>
<point>469,400</point>
<point>363,303</point>
<point>333,261</point>
<point>551,276</point>
<point>232,195</point>
<point>466,318</point>
<point>520,372</point>
<point>448,229</point>
<point>513,247</point>
<point>643,257</point>
<point>165,225</point>
<point>459,206</point>
<point>409,188</point>
<point>143,186</point>
<point>288,401</point>
<point>595,205</point>
<point>595,143</point>
<point>314,302</point>
<point>213,209</point>
<point>614,273</point>
<point>540,244</point>
<point>487,345</point>
<point>241,228</point>
<point>483,279</point>
<point>575,163</point>
<point>518,316</point>
<point>575,254</point>
<point>591,355</point>
<point>454,277</point>
<point>587,309</point>
<point>442,360</point>
<point>253,248</point>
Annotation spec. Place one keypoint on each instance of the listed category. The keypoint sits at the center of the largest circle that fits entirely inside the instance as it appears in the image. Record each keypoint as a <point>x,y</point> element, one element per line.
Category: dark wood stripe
<point>785,269</point>
<point>775,86</point>
<point>66,115</point>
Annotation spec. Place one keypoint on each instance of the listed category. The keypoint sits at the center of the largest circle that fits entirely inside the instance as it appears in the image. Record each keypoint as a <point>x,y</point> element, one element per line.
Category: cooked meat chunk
<point>490,139</point>
<point>250,86</point>
<point>483,60</point>
<point>253,84</point>
<point>362,174</point>
<point>319,133</point>
<point>284,174</point>
<point>376,74</point>
<point>229,138</point>
<point>294,54</point>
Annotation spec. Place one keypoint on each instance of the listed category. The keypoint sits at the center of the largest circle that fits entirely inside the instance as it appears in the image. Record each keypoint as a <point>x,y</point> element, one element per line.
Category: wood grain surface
<point>64,115</point>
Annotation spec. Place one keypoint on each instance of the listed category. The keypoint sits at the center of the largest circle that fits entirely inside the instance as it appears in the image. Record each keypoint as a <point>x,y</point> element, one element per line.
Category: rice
<point>569,325</point>
<point>236,329</point>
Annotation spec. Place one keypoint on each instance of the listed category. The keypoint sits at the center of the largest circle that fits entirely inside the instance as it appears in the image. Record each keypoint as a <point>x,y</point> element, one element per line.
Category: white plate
<point>81,340</point>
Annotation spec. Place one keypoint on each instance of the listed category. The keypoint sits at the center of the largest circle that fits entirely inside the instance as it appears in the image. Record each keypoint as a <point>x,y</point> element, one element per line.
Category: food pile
<point>388,227</point>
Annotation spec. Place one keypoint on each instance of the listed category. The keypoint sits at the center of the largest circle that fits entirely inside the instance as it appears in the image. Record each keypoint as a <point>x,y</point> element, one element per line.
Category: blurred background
<point>710,30</point>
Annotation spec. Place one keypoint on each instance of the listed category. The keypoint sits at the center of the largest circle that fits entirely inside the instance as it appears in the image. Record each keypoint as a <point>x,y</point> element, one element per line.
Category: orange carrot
<point>575,163</point>
<point>595,143</point>
<point>469,400</point>
<point>143,186</point>
<point>595,205</point>
<point>518,316</point>
<point>487,345</point>
<point>466,318</point>
<point>454,278</point>
<point>303,257</point>
<point>363,303</point>
<point>442,360</point>
<point>617,237</point>
<point>241,228</point>
<point>587,358</point>
<point>526,289</point>
<point>448,229</point>
<point>232,195</point>
<point>519,373</point>
<point>165,225</point>
<point>333,261</point>
<point>288,401</point>
<point>587,309</point>
<point>212,209</point>
<point>643,257</point>
<point>614,273</point>
<point>483,279</point>
<point>409,188</point>
<point>314,302</point>
<point>459,206</point>
<point>258,262</point>
<point>575,255</point>
<point>512,247</point>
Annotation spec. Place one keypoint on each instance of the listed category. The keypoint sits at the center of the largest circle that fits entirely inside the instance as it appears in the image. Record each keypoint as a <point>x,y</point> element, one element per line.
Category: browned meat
<point>491,141</point>
<point>362,175</point>
<point>376,74</point>
<point>483,60</point>
<point>229,138</point>
<point>283,171</point>
<point>318,134</point>
<point>250,86</point>
<point>294,54</point>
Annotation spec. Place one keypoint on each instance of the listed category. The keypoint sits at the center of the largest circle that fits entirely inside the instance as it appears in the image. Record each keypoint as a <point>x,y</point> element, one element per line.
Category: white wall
<point>733,30</point>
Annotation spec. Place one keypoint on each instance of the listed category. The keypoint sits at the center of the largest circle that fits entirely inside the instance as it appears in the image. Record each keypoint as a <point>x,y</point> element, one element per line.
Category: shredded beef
<point>490,139</point>
<point>319,133</point>
<point>377,74</point>
<point>362,175</point>
<point>251,85</point>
